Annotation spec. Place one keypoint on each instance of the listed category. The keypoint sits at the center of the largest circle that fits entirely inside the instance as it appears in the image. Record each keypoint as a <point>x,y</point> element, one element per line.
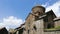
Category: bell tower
<point>38,10</point>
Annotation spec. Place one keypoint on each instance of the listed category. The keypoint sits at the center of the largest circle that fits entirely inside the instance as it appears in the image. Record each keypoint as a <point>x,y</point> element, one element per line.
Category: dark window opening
<point>28,31</point>
<point>49,26</point>
<point>35,27</point>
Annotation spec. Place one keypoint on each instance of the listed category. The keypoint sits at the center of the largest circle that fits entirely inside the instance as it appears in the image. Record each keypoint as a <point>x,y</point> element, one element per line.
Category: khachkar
<point>34,21</point>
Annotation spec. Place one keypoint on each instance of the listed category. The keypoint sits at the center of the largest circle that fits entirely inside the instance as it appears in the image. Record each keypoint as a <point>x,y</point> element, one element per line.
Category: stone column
<point>17,32</point>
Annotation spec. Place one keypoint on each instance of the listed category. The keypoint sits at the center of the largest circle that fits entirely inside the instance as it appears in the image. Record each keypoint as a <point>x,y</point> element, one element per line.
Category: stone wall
<point>57,23</point>
<point>39,26</point>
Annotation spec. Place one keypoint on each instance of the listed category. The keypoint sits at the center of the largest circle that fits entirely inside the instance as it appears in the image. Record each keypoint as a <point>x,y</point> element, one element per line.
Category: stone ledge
<point>54,30</point>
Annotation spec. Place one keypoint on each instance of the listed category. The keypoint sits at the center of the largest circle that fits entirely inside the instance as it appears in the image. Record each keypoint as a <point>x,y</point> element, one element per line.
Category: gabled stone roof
<point>56,19</point>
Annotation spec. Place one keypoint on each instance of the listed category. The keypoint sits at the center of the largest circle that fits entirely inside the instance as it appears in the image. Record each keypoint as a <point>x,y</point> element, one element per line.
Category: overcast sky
<point>14,12</point>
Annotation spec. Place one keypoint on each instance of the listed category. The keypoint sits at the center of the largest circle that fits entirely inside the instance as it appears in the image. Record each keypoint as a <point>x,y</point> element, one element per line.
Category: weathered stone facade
<point>38,20</point>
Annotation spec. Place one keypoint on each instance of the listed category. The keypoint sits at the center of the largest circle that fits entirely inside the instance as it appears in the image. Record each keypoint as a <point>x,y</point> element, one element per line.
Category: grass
<point>56,28</point>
